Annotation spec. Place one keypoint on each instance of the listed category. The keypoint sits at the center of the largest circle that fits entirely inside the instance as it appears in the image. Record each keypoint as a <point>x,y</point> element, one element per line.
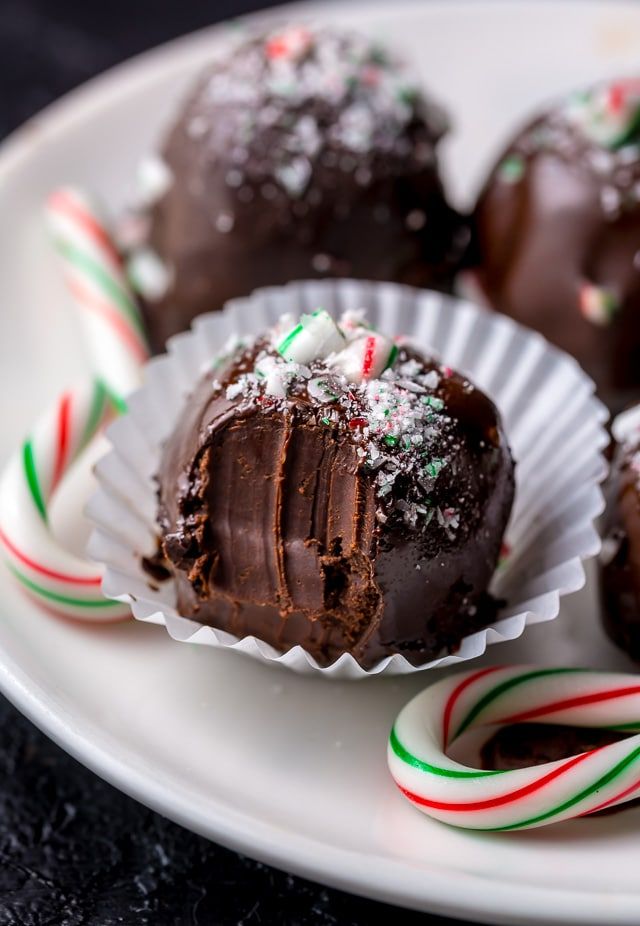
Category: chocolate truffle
<point>620,556</point>
<point>331,488</point>
<point>301,154</point>
<point>557,233</point>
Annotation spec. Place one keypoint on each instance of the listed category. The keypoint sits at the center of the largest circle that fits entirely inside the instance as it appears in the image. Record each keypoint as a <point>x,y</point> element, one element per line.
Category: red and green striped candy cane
<point>54,577</point>
<point>522,798</point>
<point>117,348</point>
<point>94,273</point>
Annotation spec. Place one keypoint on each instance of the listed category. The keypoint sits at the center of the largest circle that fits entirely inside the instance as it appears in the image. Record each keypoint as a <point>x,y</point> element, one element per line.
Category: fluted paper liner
<point>552,420</point>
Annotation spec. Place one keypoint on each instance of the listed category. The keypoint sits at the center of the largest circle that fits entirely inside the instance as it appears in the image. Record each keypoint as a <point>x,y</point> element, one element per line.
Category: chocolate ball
<point>301,154</point>
<point>557,233</point>
<point>620,556</point>
<point>352,504</point>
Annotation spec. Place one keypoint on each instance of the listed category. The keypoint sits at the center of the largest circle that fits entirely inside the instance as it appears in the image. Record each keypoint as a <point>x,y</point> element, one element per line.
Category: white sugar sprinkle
<point>224,222</point>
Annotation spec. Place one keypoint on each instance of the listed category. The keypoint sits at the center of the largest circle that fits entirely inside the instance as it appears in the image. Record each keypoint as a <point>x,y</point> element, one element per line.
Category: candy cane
<point>56,578</point>
<point>115,339</point>
<point>521,798</point>
<point>96,279</point>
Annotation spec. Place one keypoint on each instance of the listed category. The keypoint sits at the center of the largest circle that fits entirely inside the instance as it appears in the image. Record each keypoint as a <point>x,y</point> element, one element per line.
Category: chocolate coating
<point>290,519</point>
<point>296,158</point>
<point>557,241</point>
<point>620,558</point>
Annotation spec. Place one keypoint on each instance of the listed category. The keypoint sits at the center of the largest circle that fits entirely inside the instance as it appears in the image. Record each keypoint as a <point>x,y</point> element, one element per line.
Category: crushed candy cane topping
<point>608,114</point>
<point>297,102</point>
<point>597,128</point>
<point>398,419</point>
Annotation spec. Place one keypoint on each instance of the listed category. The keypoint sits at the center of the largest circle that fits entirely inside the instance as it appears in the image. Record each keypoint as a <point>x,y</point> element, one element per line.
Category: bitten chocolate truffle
<point>557,233</point>
<point>620,556</point>
<point>301,154</point>
<point>332,488</point>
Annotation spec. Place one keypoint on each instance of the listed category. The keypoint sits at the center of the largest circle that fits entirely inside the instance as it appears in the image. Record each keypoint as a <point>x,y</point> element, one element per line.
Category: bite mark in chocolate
<point>283,520</point>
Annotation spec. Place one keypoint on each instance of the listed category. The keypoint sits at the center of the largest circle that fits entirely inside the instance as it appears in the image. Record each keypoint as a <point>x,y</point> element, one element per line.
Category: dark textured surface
<point>73,851</point>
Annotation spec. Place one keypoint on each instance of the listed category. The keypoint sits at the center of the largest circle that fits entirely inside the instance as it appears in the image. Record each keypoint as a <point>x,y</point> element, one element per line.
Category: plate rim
<point>478,898</point>
<point>442,891</point>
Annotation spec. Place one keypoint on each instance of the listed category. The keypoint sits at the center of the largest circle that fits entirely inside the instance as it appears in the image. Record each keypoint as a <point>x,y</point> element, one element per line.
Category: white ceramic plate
<point>292,770</point>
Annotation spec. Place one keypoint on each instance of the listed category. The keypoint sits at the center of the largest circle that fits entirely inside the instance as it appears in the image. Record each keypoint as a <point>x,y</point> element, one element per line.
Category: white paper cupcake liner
<point>552,420</point>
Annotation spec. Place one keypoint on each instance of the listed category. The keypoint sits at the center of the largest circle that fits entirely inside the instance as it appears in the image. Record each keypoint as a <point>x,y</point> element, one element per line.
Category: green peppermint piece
<point>512,169</point>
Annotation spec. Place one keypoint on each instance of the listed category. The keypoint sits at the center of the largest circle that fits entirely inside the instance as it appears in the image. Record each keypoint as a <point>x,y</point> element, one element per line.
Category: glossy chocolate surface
<point>557,245</point>
<point>301,155</point>
<point>620,557</point>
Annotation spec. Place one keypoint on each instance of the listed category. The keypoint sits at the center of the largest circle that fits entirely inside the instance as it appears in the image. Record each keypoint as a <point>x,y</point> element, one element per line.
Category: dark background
<point>73,851</point>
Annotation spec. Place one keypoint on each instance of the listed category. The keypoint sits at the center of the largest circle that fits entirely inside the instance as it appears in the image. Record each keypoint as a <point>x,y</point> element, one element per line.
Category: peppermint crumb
<point>403,436</point>
<point>233,391</point>
<point>224,222</point>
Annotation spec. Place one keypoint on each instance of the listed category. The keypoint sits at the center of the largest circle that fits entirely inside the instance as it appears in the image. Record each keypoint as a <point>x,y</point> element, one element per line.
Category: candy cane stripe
<point>96,412</point>
<point>105,282</point>
<point>287,341</point>
<point>44,570</point>
<point>522,798</point>
<point>105,310</point>
<point>582,795</point>
<point>403,753</point>
<point>63,202</point>
<point>455,695</point>
<point>109,313</point>
<point>107,307</point>
<point>501,799</point>
<point>61,599</point>
<point>503,688</point>
<point>367,362</point>
<point>63,439</point>
<point>570,703</point>
<point>32,479</point>
<point>615,799</point>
